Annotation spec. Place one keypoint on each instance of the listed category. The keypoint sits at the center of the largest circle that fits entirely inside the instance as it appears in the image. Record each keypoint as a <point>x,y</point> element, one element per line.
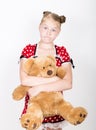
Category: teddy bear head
<point>41,66</point>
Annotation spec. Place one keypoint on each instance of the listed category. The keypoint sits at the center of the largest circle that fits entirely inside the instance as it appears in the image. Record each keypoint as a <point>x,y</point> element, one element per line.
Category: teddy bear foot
<point>30,122</point>
<point>77,115</point>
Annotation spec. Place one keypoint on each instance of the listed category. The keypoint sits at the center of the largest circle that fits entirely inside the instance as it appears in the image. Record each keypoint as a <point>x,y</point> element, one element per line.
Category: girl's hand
<point>33,91</point>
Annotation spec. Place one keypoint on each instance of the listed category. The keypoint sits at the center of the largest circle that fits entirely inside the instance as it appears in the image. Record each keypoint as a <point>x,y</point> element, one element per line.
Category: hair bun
<point>46,12</point>
<point>62,19</point>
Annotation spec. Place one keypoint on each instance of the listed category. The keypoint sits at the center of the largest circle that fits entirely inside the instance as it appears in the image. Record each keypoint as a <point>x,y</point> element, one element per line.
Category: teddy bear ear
<point>52,58</point>
<point>28,64</point>
<point>61,72</point>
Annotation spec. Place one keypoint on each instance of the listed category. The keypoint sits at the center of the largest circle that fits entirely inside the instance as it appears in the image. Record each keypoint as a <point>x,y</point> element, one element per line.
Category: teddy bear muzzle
<point>49,72</point>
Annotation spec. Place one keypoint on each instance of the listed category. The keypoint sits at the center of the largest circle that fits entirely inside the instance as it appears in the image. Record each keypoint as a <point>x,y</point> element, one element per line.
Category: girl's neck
<point>46,45</point>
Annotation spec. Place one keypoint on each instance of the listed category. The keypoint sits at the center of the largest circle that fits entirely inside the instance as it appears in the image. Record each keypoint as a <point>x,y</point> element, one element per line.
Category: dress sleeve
<point>63,56</point>
<point>28,51</point>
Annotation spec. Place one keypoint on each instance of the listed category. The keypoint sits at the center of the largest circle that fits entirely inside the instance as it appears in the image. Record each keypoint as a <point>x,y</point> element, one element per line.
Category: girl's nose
<point>49,32</point>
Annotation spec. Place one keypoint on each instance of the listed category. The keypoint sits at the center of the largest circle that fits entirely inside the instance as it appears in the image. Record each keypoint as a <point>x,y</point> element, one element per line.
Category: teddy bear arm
<point>20,92</point>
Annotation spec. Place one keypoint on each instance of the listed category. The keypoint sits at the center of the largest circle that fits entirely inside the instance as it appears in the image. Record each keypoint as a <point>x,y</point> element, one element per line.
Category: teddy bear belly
<point>48,102</point>
<point>49,97</point>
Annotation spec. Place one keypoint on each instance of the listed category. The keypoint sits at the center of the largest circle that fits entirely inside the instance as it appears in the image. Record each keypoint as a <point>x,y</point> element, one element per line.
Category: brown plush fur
<point>46,103</point>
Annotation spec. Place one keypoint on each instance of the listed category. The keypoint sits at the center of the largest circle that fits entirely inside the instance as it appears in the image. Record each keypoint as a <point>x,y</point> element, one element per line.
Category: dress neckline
<point>37,47</point>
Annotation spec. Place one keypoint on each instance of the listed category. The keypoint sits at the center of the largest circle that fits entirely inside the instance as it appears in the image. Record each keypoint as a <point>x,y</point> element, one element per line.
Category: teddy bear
<point>41,66</point>
<point>46,103</point>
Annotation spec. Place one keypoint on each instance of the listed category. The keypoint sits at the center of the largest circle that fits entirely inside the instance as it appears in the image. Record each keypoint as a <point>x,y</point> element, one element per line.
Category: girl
<point>49,28</point>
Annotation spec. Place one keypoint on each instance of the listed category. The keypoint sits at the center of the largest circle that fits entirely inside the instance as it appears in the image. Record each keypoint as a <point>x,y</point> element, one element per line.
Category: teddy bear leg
<point>73,115</point>
<point>77,115</point>
<point>33,118</point>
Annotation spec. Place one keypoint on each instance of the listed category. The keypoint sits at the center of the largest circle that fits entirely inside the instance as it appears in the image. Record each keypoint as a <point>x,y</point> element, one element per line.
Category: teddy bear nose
<point>49,72</point>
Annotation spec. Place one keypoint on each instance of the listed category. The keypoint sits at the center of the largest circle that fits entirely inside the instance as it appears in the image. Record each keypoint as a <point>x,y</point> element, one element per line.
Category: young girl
<point>49,28</point>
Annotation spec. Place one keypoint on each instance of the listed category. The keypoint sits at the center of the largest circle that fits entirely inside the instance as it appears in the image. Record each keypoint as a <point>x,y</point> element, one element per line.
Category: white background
<point>19,20</point>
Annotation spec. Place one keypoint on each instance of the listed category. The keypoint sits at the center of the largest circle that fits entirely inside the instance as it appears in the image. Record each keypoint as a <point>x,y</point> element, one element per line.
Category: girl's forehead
<point>50,22</point>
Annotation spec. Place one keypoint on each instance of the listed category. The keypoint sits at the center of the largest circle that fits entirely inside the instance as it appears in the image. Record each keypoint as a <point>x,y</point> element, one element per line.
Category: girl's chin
<point>47,41</point>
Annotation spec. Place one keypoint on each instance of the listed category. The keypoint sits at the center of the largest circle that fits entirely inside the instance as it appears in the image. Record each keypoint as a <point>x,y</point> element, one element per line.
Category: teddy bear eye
<point>50,65</point>
<point>43,67</point>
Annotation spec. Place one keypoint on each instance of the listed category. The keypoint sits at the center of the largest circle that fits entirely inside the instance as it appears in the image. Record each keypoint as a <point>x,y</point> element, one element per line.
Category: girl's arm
<point>58,85</point>
<point>33,80</point>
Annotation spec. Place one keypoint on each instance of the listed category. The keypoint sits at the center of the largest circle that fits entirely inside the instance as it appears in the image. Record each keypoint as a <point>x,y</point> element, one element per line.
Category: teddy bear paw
<point>17,97</point>
<point>77,115</point>
<point>29,122</point>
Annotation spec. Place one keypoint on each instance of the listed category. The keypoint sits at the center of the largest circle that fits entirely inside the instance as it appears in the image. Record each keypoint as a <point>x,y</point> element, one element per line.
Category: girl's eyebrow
<point>52,27</point>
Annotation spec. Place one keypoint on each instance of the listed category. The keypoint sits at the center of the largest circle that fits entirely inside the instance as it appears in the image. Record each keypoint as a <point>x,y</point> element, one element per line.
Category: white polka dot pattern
<point>61,55</point>
<point>29,50</point>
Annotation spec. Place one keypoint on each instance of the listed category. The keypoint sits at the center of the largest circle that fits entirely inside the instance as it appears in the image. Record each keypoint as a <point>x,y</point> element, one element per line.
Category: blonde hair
<point>47,14</point>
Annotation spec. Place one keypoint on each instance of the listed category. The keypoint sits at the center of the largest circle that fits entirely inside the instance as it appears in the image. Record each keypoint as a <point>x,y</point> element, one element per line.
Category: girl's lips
<point>47,37</point>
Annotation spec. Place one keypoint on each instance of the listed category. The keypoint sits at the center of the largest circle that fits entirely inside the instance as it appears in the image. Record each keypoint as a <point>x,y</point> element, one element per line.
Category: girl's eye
<point>50,65</point>
<point>45,28</point>
<point>53,30</point>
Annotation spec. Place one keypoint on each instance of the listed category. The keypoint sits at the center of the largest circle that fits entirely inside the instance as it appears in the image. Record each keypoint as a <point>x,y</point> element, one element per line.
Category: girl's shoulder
<point>28,51</point>
<point>60,48</point>
<point>62,55</point>
<point>30,46</point>
<point>62,52</point>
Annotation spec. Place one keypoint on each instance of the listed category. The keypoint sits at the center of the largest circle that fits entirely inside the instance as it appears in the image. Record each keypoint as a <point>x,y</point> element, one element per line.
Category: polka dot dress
<point>61,57</point>
<point>29,51</point>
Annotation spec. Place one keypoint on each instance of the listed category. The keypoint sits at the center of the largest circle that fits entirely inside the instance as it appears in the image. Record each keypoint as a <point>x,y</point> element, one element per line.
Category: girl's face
<point>49,30</point>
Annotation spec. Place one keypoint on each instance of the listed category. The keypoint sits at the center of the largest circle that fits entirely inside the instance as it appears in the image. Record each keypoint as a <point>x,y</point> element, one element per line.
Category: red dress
<point>61,57</point>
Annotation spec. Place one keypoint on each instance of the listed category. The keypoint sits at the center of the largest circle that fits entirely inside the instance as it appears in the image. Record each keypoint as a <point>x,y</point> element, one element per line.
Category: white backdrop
<point>19,20</point>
